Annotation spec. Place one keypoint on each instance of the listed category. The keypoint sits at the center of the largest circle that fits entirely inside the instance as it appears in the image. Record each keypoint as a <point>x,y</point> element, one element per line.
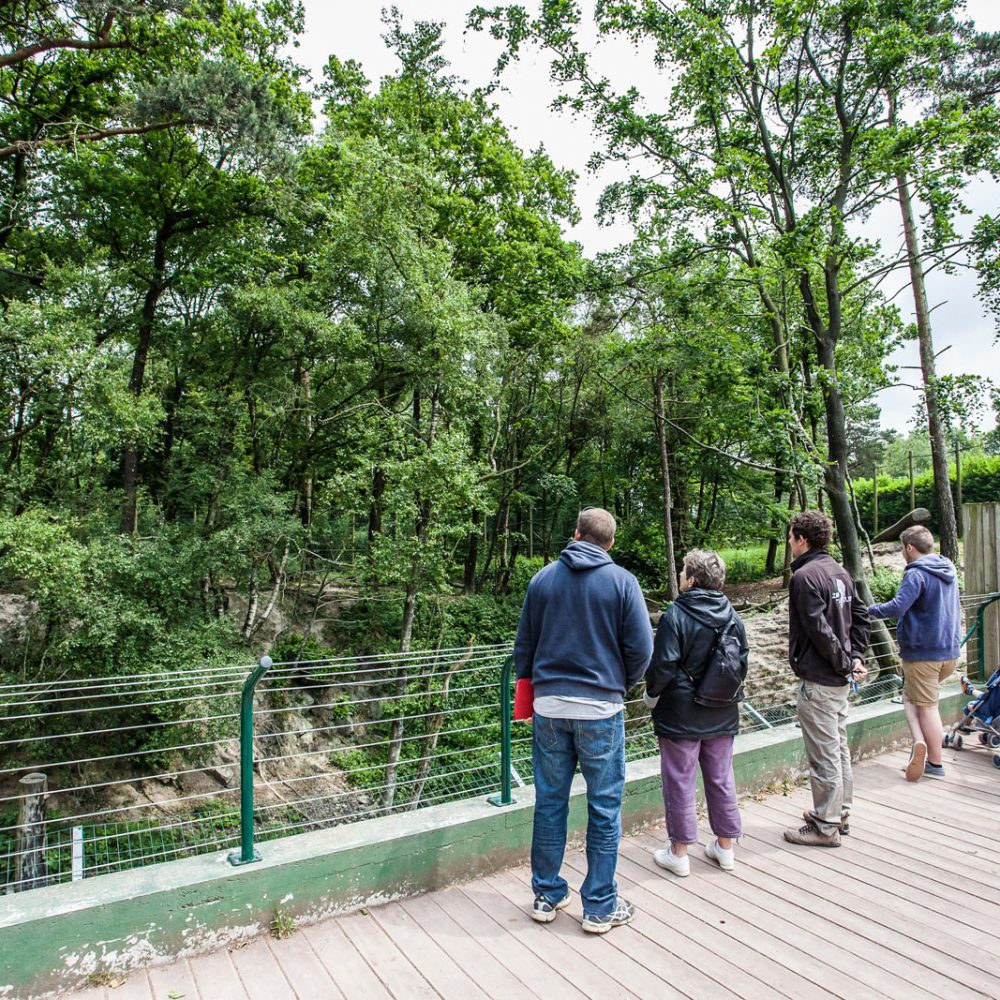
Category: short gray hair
<point>706,568</point>
<point>920,538</point>
<point>597,526</point>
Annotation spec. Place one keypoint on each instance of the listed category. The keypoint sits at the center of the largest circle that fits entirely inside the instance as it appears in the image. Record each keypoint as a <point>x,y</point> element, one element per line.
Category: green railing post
<point>246,853</point>
<point>504,797</point>
<point>980,627</point>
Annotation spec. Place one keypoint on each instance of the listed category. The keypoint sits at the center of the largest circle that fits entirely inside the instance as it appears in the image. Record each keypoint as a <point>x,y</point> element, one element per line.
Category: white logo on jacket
<point>840,595</point>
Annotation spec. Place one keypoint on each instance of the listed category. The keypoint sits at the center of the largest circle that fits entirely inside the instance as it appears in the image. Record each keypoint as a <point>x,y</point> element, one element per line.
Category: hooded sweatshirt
<point>584,629</point>
<point>683,648</point>
<point>927,607</point>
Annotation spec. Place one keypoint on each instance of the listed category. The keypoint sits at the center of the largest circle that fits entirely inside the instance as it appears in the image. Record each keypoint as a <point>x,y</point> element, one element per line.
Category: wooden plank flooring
<point>907,908</point>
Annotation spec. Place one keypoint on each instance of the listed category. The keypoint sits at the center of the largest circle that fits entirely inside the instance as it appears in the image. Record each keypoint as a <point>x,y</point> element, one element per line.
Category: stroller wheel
<point>996,760</point>
<point>957,742</point>
<point>946,742</point>
<point>995,742</point>
<point>984,738</point>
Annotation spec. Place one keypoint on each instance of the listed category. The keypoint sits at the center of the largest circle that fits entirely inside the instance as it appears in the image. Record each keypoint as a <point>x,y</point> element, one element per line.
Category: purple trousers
<point>679,760</point>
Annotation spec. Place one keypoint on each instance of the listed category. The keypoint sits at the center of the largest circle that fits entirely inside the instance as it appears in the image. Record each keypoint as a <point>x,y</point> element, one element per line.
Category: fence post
<point>76,857</point>
<point>982,574</point>
<point>958,488</point>
<point>246,854</point>
<point>32,870</point>
<point>504,797</point>
<point>875,501</point>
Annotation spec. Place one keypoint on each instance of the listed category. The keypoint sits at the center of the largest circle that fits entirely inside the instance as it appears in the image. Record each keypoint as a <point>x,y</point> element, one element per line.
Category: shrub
<point>884,583</point>
<point>980,484</point>
<point>745,565</point>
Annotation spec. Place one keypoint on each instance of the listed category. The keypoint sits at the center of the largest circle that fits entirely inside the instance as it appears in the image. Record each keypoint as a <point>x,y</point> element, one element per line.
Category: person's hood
<point>581,556</point>
<point>934,565</point>
<point>709,607</point>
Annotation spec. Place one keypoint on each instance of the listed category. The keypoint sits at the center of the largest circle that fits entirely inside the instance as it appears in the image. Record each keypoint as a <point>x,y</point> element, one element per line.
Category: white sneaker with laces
<point>724,857</point>
<point>666,858</point>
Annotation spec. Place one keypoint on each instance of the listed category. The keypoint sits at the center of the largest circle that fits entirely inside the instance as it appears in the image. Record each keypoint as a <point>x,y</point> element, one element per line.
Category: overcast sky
<point>962,330</point>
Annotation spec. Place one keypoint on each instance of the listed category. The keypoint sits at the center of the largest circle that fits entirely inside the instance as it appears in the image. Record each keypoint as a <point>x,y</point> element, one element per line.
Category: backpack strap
<point>704,624</point>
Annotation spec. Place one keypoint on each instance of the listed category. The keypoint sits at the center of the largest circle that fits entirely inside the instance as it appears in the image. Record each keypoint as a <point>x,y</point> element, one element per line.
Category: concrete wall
<point>53,938</point>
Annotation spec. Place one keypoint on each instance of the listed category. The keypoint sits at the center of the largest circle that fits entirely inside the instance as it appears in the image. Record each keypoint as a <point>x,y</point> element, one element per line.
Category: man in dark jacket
<point>827,636</point>
<point>929,634</point>
<point>584,639</point>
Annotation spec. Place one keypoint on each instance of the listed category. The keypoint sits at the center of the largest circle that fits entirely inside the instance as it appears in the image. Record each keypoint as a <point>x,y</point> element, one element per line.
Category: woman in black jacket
<point>690,733</point>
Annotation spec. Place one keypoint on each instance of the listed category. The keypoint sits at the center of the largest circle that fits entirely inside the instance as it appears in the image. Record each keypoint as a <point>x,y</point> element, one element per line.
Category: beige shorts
<point>922,677</point>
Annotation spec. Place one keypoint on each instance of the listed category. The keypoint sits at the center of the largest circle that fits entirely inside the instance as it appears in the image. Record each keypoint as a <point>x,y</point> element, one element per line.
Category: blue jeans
<point>557,746</point>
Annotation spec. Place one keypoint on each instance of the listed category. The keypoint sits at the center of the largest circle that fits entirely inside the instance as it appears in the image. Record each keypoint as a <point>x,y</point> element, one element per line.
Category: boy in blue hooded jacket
<point>929,635</point>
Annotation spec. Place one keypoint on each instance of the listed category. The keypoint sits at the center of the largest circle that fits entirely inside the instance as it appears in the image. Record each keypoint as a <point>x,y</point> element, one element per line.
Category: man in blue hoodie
<point>584,639</point>
<point>928,633</point>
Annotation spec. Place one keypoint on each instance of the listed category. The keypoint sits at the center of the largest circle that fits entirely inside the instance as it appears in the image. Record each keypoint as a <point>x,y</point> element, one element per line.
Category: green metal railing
<point>504,796</point>
<point>353,737</point>
<point>246,854</point>
<point>979,627</point>
<point>397,690</point>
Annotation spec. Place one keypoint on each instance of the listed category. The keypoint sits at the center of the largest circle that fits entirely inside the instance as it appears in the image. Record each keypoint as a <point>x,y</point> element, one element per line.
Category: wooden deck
<point>907,908</point>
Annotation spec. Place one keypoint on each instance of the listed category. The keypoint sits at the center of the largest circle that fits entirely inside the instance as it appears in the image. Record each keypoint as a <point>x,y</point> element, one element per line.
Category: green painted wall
<point>132,919</point>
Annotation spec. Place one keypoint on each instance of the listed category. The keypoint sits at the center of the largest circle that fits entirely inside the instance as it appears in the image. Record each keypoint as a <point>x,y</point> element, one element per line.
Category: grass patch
<point>745,565</point>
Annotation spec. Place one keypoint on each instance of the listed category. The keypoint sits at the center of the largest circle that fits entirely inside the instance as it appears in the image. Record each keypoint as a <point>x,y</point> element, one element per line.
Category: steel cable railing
<point>119,781</point>
<point>140,769</point>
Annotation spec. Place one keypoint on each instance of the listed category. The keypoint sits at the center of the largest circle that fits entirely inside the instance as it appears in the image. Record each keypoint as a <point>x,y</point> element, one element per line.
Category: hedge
<point>980,484</point>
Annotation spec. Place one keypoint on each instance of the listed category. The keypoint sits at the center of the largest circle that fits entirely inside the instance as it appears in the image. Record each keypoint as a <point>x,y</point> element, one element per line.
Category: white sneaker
<point>666,858</point>
<point>724,857</point>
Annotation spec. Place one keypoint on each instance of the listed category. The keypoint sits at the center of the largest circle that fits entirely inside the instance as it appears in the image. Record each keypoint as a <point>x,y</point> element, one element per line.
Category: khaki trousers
<point>822,715</point>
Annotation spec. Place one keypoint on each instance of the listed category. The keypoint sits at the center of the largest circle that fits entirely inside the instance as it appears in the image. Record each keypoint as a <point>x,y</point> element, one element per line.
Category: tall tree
<point>778,106</point>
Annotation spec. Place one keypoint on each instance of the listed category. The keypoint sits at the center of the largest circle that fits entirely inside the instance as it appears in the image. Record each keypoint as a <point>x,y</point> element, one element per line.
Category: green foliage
<point>283,924</point>
<point>359,383</point>
<point>884,583</point>
<point>980,484</point>
<point>745,565</point>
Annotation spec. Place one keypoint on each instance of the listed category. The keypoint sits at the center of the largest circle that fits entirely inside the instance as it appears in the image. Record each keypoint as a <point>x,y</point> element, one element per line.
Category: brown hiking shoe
<point>809,836</point>
<point>845,821</point>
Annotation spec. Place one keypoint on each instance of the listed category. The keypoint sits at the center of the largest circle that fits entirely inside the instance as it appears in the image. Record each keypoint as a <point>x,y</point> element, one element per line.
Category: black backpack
<point>722,682</point>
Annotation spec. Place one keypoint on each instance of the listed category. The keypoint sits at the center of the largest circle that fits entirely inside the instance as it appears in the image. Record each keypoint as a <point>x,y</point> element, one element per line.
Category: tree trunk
<point>307,475</point>
<point>919,515</point>
<point>432,727</point>
<point>835,479</point>
<point>424,513</point>
<point>668,530</point>
<point>772,543</point>
<point>471,555</point>
<point>375,506</point>
<point>130,461</point>
<point>947,524</point>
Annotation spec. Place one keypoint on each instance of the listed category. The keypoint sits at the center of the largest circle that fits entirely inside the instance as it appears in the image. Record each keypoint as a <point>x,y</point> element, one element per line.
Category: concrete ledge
<point>154,914</point>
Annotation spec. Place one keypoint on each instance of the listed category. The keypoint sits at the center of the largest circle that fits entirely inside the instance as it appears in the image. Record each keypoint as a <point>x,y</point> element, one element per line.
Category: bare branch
<point>50,44</point>
<point>31,145</point>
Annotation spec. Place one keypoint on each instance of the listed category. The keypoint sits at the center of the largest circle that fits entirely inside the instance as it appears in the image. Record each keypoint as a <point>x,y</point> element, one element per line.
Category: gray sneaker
<point>933,770</point>
<point>623,913</point>
<point>543,911</point>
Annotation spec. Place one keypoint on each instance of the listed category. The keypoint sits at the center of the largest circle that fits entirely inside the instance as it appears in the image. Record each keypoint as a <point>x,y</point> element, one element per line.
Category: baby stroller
<point>981,716</point>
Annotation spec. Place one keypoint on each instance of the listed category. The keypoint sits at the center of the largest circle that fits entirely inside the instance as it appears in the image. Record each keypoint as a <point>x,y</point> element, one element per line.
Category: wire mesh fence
<point>145,768</point>
<point>135,769</point>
